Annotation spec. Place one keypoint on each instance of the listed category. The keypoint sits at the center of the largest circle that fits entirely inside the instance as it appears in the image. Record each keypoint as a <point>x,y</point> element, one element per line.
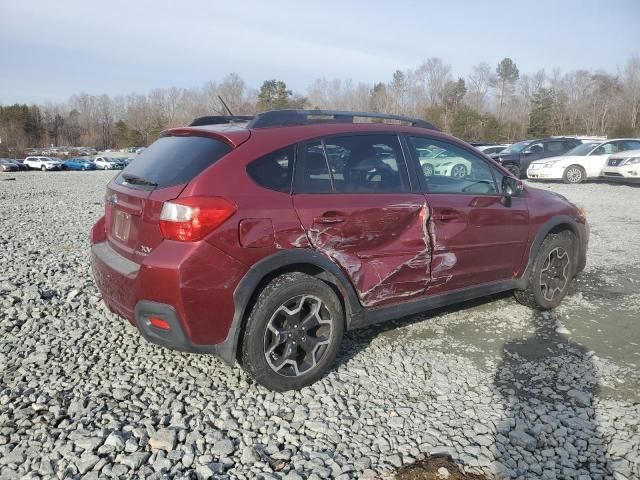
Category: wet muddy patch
<point>435,467</point>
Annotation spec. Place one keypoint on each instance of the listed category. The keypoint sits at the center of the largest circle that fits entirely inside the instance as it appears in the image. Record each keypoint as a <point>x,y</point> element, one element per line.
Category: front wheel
<point>293,332</point>
<point>43,168</point>
<point>552,272</point>
<point>574,174</point>
<point>515,169</point>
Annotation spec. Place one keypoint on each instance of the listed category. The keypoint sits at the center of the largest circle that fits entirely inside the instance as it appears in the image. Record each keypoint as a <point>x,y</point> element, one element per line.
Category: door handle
<point>329,218</point>
<point>447,215</point>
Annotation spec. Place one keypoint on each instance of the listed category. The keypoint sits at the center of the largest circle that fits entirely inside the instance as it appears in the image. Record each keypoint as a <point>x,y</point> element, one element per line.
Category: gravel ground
<point>504,390</point>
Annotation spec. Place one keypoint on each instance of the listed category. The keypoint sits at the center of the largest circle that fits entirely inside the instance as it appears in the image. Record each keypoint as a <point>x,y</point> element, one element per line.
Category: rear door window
<point>312,170</point>
<point>172,161</point>
<point>556,147</point>
<point>353,164</point>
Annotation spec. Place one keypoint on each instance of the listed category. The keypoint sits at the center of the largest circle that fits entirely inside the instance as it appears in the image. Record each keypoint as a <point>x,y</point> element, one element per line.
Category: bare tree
<point>432,76</point>
<point>478,84</point>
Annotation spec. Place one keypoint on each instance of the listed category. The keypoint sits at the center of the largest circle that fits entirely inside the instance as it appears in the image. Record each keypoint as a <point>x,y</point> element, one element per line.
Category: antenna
<point>225,105</point>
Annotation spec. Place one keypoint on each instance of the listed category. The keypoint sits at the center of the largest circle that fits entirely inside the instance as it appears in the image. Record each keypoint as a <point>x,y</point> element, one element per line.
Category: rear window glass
<point>172,161</point>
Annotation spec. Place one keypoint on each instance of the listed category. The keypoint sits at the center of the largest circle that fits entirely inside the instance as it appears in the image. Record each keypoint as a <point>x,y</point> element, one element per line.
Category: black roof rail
<point>278,118</point>
<point>219,119</point>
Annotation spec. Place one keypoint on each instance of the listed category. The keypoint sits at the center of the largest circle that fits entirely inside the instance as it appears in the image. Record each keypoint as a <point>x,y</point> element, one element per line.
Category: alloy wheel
<point>298,335</point>
<point>574,175</point>
<point>555,273</point>
<point>459,171</point>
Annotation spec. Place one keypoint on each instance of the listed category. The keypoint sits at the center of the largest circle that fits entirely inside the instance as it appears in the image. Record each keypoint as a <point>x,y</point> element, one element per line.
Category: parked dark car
<point>249,240</point>
<point>7,165</point>
<point>79,164</point>
<point>21,166</point>
<point>517,157</point>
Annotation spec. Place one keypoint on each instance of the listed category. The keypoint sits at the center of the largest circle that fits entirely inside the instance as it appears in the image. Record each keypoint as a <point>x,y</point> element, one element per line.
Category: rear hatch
<point>136,196</point>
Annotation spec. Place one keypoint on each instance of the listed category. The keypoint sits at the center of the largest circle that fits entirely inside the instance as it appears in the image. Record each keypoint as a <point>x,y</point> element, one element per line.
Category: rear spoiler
<point>220,119</point>
<point>232,137</point>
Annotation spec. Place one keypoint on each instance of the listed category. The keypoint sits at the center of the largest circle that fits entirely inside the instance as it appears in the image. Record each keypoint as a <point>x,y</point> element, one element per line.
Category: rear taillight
<point>191,219</point>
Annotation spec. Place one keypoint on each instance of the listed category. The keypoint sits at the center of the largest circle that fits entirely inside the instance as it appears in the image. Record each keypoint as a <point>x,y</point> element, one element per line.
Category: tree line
<point>492,103</point>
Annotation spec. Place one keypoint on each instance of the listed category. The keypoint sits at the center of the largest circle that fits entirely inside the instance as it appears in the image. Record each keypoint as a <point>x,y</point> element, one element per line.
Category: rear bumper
<point>173,337</point>
<point>189,286</point>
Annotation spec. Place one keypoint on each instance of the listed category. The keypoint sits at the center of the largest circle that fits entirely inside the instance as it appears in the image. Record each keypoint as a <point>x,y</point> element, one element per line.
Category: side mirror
<point>508,187</point>
<point>527,152</point>
<point>511,187</point>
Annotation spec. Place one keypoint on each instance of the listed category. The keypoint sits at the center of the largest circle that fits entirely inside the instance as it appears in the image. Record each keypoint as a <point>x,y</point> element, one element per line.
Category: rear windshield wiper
<point>135,180</point>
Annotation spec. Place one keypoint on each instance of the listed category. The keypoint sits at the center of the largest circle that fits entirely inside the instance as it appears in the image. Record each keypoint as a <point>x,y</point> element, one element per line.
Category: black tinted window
<point>556,147</point>
<point>172,161</point>
<point>366,163</point>
<point>273,171</point>
<point>352,164</point>
<point>312,171</point>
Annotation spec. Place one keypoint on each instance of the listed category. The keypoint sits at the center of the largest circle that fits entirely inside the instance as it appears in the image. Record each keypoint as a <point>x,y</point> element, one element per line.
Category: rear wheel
<point>293,332</point>
<point>552,272</point>
<point>459,171</point>
<point>574,174</point>
<point>43,168</point>
<point>427,169</point>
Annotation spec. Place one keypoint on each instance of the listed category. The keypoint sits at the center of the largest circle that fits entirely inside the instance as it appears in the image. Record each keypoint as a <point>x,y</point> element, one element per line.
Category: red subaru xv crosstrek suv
<point>262,239</point>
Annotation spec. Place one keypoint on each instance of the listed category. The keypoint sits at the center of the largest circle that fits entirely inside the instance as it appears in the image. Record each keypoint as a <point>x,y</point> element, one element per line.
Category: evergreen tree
<point>506,75</point>
<point>541,114</point>
<point>273,95</point>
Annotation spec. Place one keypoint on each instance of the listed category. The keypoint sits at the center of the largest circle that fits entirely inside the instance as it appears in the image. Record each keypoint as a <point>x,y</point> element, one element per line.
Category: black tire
<point>428,170</point>
<point>515,169</point>
<point>574,174</point>
<point>459,171</point>
<point>548,284</point>
<point>43,168</point>
<point>273,366</point>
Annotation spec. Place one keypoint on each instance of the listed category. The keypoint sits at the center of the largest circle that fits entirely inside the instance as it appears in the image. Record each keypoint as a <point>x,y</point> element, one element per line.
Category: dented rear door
<point>375,231</point>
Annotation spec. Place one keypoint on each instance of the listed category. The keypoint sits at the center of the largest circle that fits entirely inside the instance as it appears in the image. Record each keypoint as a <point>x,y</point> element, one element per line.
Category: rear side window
<point>556,147</point>
<point>172,161</point>
<point>273,171</point>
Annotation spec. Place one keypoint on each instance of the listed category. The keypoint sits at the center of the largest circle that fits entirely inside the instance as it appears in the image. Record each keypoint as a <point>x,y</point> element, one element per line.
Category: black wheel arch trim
<point>247,289</point>
<point>542,233</point>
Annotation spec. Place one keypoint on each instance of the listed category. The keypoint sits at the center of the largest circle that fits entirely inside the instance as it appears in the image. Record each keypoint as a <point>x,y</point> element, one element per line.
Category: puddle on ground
<point>601,313</point>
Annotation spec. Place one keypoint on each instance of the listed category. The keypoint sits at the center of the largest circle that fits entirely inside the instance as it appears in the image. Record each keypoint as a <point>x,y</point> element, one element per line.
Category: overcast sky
<point>50,50</point>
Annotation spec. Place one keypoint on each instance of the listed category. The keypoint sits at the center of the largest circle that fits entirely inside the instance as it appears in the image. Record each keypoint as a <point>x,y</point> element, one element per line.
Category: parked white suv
<point>105,163</point>
<point>623,166</point>
<point>42,163</point>
<point>580,163</point>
